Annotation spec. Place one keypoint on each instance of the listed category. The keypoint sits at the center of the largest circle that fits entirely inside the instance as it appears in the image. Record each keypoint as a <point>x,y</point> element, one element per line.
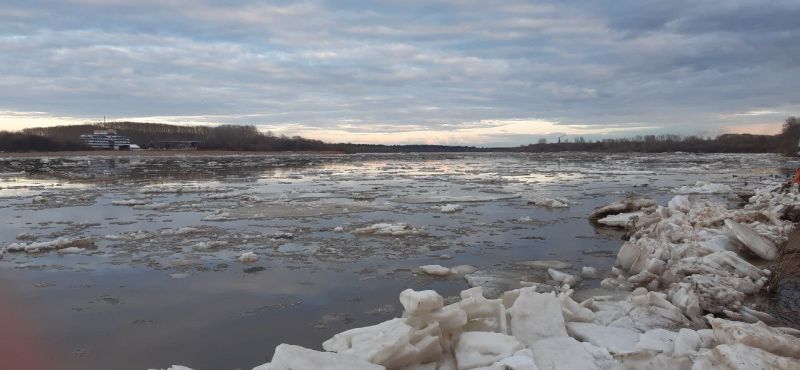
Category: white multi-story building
<point>106,139</point>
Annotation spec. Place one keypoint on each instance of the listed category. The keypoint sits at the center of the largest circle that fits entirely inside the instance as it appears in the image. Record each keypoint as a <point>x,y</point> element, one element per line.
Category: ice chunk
<point>545,264</point>
<point>289,357</point>
<point>702,187</point>
<point>450,208</point>
<point>687,342</point>
<point>680,203</point>
<point>562,277</point>
<point>415,302</point>
<point>573,311</point>
<point>566,353</point>
<point>549,202</point>
<point>130,202</point>
<point>621,220</point>
<point>521,360</point>
<point>720,243</point>
<point>757,335</point>
<point>742,357</point>
<point>248,257</point>
<point>463,269</point>
<point>71,250</point>
<point>476,349</point>
<point>627,205</point>
<point>615,340</point>
<point>641,313</point>
<point>752,240</point>
<point>436,270</point>
<point>387,229</point>
<point>483,314</point>
<point>493,282</point>
<point>377,343</point>
<point>590,273</point>
<point>657,340</point>
<point>60,243</point>
<point>535,316</point>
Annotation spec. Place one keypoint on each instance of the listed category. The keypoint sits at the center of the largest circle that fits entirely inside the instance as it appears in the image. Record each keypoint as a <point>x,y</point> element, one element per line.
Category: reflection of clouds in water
<point>27,187</point>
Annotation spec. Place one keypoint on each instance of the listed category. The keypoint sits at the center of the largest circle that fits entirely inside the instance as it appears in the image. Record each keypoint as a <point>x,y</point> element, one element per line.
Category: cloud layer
<point>454,71</point>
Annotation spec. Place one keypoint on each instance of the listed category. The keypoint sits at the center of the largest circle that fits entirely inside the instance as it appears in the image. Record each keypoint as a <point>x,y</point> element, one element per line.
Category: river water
<point>161,283</point>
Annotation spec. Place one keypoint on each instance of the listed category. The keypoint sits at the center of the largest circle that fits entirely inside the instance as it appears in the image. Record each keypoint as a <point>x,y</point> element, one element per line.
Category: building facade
<point>106,139</point>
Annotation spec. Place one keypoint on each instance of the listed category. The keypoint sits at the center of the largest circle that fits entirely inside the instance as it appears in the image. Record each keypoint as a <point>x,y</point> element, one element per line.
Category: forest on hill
<point>249,138</point>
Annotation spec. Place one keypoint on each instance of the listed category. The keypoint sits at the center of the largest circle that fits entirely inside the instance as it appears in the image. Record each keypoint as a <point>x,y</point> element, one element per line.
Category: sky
<point>412,71</point>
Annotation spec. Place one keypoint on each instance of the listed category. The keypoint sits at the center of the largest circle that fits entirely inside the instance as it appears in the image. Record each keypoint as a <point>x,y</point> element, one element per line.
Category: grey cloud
<point>392,66</point>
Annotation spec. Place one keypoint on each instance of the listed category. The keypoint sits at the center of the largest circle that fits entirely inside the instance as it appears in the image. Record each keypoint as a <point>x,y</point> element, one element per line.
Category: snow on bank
<point>688,280</point>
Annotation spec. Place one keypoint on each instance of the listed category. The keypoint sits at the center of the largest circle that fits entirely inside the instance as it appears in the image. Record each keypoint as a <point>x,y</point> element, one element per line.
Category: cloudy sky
<point>412,71</point>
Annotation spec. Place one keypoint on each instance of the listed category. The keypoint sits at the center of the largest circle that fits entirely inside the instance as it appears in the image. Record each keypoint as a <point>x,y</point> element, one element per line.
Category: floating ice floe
<point>387,229</point>
<point>130,202</point>
<point>628,205</point>
<point>438,270</point>
<point>60,243</point>
<point>562,277</point>
<point>545,264</point>
<point>450,208</point>
<point>589,273</point>
<point>625,220</point>
<point>702,187</point>
<point>449,198</point>
<point>182,189</point>
<point>132,235</point>
<point>248,257</point>
<point>549,202</point>
<point>435,270</point>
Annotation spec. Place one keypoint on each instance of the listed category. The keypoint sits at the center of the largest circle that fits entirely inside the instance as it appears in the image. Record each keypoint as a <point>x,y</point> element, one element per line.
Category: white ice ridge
<point>688,279</point>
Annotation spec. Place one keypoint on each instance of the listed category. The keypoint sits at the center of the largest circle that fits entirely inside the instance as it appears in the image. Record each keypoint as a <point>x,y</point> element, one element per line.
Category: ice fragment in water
<point>435,270</point>
<point>248,257</point>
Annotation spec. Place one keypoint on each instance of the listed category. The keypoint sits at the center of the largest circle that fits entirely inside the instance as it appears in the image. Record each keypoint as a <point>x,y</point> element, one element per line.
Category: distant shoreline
<point>153,153</point>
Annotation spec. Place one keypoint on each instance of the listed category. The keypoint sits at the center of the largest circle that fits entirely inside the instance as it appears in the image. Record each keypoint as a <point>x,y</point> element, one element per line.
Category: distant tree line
<point>786,142</point>
<point>21,142</point>
<point>249,138</point>
<point>727,143</point>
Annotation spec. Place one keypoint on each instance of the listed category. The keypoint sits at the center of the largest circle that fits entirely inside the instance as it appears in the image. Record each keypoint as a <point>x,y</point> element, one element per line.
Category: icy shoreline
<point>687,265</point>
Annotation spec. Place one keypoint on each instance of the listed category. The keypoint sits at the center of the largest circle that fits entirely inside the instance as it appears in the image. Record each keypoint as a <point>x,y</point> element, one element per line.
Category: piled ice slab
<point>699,253</point>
